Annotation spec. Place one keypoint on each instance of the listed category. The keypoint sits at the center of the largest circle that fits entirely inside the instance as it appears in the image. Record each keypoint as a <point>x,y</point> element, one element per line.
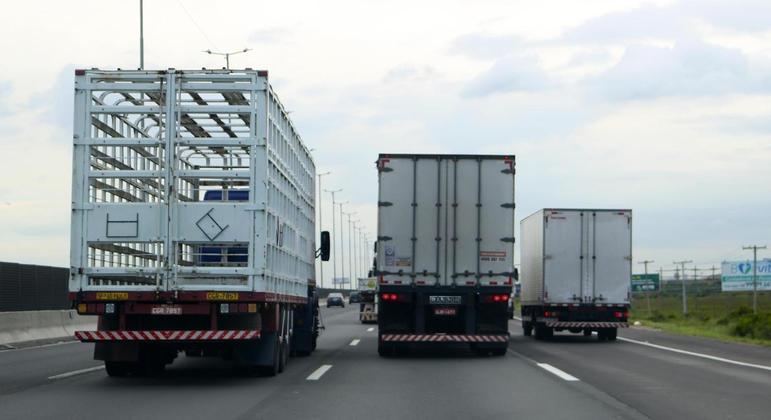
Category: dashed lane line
<point>355,342</point>
<point>318,373</point>
<point>561,374</point>
<point>370,329</point>
<point>76,372</point>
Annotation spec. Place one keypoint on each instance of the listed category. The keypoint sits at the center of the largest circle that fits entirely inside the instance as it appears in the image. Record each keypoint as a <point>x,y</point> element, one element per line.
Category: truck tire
<point>543,332</point>
<point>117,369</point>
<point>527,329</point>
<point>611,334</point>
<point>587,332</point>
<point>274,369</point>
<point>384,350</point>
<point>284,356</point>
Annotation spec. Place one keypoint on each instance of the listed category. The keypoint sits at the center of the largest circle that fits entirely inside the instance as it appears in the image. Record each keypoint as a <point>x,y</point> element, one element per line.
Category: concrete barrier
<point>22,326</point>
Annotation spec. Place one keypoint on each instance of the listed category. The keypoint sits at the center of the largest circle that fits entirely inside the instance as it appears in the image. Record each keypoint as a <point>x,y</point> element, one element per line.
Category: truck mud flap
<point>185,336</point>
<point>581,324</point>
<point>445,338</point>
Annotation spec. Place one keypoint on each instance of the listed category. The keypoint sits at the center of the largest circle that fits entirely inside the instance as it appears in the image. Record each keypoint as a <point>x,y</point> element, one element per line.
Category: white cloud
<point>485,46</point>
<point>509,74</point>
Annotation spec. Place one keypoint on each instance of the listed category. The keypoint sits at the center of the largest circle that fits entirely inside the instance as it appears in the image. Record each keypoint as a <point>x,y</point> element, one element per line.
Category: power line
<point>196,25</point>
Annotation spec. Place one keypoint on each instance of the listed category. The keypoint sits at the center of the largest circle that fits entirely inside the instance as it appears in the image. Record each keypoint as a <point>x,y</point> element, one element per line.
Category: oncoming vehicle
<point>335,299</point>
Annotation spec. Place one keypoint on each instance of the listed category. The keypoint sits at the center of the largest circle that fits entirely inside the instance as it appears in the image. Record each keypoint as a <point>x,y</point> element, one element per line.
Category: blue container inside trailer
<point>221,255</point>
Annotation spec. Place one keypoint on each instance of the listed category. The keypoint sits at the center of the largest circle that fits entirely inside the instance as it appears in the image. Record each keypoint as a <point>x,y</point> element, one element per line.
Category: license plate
<point>221,296</point>
<point>444,300</point>
<point>111,295</point>
<point>446,311</point>
<point>166,310</point>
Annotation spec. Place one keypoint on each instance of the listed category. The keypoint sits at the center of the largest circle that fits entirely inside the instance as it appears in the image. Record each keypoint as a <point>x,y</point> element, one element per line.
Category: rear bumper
<point>445,338</point>
<point>167,336</point>
<point>585,324</point>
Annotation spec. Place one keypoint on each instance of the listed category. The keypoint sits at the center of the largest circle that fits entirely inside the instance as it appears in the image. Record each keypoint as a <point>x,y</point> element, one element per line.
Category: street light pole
<point>754,249</point>
<point>141,35</point>
<point>682,280</point>
<point>227,54</point>
<point>342,245</point>
<point>334,256</point>
<point>321,228</point>
<point>350,248</point>
<point>647,293</point>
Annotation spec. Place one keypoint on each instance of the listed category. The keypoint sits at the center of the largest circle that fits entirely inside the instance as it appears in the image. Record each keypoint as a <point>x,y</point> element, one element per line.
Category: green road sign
<point>645,282</point>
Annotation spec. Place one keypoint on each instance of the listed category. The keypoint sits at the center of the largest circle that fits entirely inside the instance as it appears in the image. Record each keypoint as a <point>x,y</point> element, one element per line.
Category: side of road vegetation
<point>726,316</point>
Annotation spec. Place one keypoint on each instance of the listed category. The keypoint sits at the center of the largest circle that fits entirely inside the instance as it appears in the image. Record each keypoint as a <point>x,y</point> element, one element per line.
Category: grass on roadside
<point>723,316</point>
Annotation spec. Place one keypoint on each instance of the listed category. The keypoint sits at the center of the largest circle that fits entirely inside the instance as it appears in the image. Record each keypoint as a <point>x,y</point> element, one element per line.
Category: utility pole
<point>682,280</point>
<point>321,228</point>
<point>334,252</point>
<point>713,271</point>
<point>647,293</point>
<point>754,249</point>
<point>141,35</point>
<point>356,253</point>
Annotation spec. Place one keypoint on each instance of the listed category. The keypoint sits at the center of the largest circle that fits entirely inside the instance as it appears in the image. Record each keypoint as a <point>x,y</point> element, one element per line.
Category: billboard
<point>645,282</point>
<point>736,276</point>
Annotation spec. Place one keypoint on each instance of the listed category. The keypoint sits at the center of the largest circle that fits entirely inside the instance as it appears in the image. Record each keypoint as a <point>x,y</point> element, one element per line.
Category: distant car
<point>354,297</point>
<point>335,299</point>
<point>511,306</point>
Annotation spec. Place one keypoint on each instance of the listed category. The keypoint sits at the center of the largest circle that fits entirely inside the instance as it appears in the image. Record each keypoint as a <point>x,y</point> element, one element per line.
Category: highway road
<point>647,374</point>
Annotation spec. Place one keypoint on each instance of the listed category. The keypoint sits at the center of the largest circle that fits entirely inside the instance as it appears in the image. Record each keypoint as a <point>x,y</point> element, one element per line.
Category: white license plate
<point>166,310</point>
<point>445,300</point>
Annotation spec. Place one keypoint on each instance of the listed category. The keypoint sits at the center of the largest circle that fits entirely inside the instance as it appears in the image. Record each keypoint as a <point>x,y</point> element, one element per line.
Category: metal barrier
<point>26,287</point>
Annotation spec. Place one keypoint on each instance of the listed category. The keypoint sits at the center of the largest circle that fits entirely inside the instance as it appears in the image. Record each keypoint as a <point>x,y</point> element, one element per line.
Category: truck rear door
<point>612,244</point>
<point>565,271</point>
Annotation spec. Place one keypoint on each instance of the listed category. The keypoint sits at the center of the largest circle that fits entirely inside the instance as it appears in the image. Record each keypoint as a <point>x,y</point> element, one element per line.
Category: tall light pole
<point>342,249</point>
<point>682,280</point>
<point>356,252</point>
<point>334,256</point>
<point>141,35</point>
<point>754,249</point>
<point>227,55</point>
<point>350,248</point>
<point>647,294</point>
<point>321,227</point>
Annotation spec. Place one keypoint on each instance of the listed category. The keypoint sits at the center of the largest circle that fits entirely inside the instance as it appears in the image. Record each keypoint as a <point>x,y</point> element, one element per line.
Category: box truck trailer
<point>576,271</point>
<point>193,225</point>
<point>444,256</point>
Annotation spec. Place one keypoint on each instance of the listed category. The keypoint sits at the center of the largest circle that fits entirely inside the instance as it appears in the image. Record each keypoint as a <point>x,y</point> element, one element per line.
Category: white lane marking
<point>370,329</point>
<point>76,372</point>
<point>561,374</point>
<point>318,373</point>
<point>691,353</point>
<point>42,346</point>
<point>355,342</point>
<point>518,318</point>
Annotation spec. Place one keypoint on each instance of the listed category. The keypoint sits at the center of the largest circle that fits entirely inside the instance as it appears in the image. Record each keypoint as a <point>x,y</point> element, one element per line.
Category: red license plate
<point>446,311</point>
<point>166,310</point>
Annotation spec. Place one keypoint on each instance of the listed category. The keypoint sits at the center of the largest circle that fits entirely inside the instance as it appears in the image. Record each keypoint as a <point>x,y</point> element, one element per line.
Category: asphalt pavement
<point>648,374</point>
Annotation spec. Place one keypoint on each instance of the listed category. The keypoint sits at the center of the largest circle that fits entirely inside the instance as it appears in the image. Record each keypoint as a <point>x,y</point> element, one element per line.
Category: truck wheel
<point>587,332</point>
<point>602,334</point>
<point>282,358</point>
<point>612,334</point>
<point>527,329</point>
<point>117,369</point>
<point>272,370</point>
<point>543,332</point>
<point>499,352</point>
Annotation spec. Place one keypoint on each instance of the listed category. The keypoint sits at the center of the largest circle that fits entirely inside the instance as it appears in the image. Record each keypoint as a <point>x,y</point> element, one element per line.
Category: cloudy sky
<point>659,106</point>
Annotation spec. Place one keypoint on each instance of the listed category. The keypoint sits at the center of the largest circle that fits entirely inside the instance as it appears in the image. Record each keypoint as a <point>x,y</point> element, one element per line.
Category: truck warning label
<point>492,256</point>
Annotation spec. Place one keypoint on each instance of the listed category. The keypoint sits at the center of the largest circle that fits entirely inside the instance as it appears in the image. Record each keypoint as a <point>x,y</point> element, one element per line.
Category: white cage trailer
<point>444,251</point>
<point>576,271</point>
<point>193,223</point>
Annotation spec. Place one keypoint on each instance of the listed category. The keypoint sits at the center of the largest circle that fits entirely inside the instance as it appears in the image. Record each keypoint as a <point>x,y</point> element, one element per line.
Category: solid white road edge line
<point>76,372</point>
<point>561,374</point>
<point>355,342</point>
<point>690,353</point>
<point>318,373</point>
<point>518,318</point>
<point>370,329</point>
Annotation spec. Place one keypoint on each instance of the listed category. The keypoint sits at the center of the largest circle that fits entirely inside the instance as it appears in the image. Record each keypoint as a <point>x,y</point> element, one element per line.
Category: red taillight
<point>389,296</point>
<point>551,314</point>
<point>618,314</point>
<point>495,298</point>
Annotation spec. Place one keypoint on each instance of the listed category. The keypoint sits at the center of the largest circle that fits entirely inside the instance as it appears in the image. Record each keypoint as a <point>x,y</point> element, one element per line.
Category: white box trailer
<point>576,271</point>
<point>193,222</point>
<point>445,249</point>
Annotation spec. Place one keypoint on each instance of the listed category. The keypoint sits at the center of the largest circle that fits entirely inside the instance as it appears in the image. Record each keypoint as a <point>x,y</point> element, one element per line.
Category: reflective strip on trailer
<point>445,338</point>
<point>579,324</point>
<point>230,335</point>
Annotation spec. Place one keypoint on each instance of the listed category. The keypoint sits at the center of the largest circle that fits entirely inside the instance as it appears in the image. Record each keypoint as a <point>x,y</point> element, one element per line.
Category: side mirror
<point>324,246</point>
<point>516,273</point>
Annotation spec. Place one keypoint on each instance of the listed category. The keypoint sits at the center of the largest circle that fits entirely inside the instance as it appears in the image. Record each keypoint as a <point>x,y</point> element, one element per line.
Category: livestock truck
<point>576,271</point>
<point>444,259</point>
<point>193,225</point>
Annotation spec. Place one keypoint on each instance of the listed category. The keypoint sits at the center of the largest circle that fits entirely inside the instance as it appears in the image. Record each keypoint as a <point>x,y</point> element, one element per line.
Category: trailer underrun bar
<point>445,338</point>
<point>175,335</point>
